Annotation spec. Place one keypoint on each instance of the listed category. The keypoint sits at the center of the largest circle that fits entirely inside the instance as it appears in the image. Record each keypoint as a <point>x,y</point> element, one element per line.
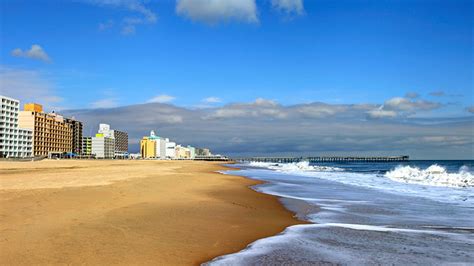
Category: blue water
<point>360,216</point>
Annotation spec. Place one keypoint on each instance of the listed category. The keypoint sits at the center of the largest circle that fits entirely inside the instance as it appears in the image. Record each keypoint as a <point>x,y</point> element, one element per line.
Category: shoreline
<point>122,212</point>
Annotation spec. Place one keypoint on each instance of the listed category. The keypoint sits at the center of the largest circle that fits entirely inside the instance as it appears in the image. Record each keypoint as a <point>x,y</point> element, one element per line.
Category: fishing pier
<point>325,159</point>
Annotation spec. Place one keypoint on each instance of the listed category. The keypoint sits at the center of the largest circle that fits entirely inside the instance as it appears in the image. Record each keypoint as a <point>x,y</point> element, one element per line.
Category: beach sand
<point>129,212</point>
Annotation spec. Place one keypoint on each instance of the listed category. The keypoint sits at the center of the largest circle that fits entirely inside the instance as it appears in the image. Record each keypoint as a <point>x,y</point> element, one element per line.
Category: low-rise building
<point>86,149</point>
<point>15,142</point>
<point>182,152</point>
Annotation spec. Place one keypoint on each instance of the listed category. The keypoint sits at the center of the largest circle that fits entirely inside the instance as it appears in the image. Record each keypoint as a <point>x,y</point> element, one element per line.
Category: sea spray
<point>434,175</point>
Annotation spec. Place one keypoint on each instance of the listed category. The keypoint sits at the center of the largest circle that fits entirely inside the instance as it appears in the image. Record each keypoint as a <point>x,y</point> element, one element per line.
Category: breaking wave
<point>434,175</point>
<point>303,166</point>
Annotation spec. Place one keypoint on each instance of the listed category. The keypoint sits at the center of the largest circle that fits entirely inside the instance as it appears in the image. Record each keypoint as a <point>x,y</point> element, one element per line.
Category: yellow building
<point>51,133</point>
<point>148,148</point>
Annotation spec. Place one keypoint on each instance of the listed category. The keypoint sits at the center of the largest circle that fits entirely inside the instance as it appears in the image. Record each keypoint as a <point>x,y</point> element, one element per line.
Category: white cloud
<point>35,52</point>
<point>289,6</point>
<point>105,103</point>
<point>404,104</point>
<point>259,108</point>
<point>211,100</point>
<point>145,14</point>
<point>380,113</point>
<point>163,98</point>
<point>214,11</point>
<point>321,110</point>
<point>28,86</point>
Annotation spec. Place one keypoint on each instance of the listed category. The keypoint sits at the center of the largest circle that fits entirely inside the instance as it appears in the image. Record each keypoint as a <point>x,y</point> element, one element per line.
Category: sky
<point>253,77</point>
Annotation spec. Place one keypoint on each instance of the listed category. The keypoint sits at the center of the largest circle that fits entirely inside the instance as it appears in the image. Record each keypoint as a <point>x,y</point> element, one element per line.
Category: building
<point>192,152</point>
<point>121,143</point>
<point>76,135</point>
<point>86,148</point>
<point>182,152</point>
<point>202,152</point>
<point>121,139</point>
<point>52,135</point>
<point>14,141</point>
<point>153,147</point>
<point>103,147</point>
<point>170,149</point>
<point>148,148</point>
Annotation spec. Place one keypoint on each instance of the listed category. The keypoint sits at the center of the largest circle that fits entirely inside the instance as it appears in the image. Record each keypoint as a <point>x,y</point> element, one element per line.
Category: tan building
<point>51,133</point>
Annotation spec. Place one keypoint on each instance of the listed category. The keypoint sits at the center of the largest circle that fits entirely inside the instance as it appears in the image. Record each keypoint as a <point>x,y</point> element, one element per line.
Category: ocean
<point>414,212</point>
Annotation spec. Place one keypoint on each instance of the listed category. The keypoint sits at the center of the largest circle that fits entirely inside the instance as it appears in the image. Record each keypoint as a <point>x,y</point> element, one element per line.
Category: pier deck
<point>325,159</point>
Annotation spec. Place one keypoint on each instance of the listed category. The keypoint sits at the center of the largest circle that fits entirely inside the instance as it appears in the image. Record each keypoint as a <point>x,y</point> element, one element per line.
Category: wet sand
<point>129,212</point>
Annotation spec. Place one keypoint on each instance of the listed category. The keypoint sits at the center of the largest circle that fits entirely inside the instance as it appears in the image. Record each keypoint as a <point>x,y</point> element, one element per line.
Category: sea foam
<point>303,166</point>
<point>434,175</point>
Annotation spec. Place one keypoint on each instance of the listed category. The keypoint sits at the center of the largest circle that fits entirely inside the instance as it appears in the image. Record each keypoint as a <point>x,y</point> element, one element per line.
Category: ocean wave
<point>303,166</point>
<point>434,175</point>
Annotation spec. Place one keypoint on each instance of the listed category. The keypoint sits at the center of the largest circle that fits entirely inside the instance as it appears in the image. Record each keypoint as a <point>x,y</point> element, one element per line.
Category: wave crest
<point>434,175</point>
<point>303,166</point>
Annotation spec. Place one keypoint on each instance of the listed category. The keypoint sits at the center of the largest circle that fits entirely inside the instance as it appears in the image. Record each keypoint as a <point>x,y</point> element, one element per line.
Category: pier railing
<point>325,159</point>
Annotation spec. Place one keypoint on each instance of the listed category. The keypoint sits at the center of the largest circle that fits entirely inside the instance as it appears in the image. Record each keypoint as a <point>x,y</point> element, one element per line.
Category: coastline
<point>122,212</point>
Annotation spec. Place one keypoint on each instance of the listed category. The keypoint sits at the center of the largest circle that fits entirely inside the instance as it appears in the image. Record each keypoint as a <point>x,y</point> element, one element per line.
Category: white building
<point>170,149</point>
<point>14,141</point>
<point>103,147</point>
<point>120,137</point>
<point>161,148</point>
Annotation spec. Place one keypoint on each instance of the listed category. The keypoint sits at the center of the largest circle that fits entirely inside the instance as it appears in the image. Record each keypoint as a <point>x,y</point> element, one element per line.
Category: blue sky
<point>407,62</point>
<point>337,51</point>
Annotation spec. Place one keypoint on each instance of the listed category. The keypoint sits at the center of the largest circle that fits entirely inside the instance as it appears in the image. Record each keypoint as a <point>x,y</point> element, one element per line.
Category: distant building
<point>76,135</point>
<point>148,146</point>
<point>51,133</point>
<point>14,141</point>
<point>103,147</point>
<point>153,147</point>
<point>202,152</point>
<point>192,152</point>
<point>120,137</point>
<point>170,149</point>
<point>86,146</point>
<point>121,142</point>
<point>182,152</point>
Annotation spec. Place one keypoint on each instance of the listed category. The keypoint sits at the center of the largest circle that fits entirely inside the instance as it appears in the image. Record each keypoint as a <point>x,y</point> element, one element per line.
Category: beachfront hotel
<point>52,134</point>
<point>76,135</point>
<point>15,142</point>
<point>108,143</point>
<point>155,147</point>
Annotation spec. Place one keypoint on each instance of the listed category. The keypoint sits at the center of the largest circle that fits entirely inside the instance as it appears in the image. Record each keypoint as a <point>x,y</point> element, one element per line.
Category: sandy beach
<point>129,212</point>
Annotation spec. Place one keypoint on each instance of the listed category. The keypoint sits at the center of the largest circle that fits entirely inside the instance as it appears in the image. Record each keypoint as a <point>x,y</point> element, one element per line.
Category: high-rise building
<point>14,141</point>
<point>103,147</point>
<point>76,135</point>
<point>51,133</point>
<point>121,142</point>
<point>121,139</point>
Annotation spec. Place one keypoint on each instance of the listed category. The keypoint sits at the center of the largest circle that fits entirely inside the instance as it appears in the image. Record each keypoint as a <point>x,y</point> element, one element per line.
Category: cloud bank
<point>265,127</point>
